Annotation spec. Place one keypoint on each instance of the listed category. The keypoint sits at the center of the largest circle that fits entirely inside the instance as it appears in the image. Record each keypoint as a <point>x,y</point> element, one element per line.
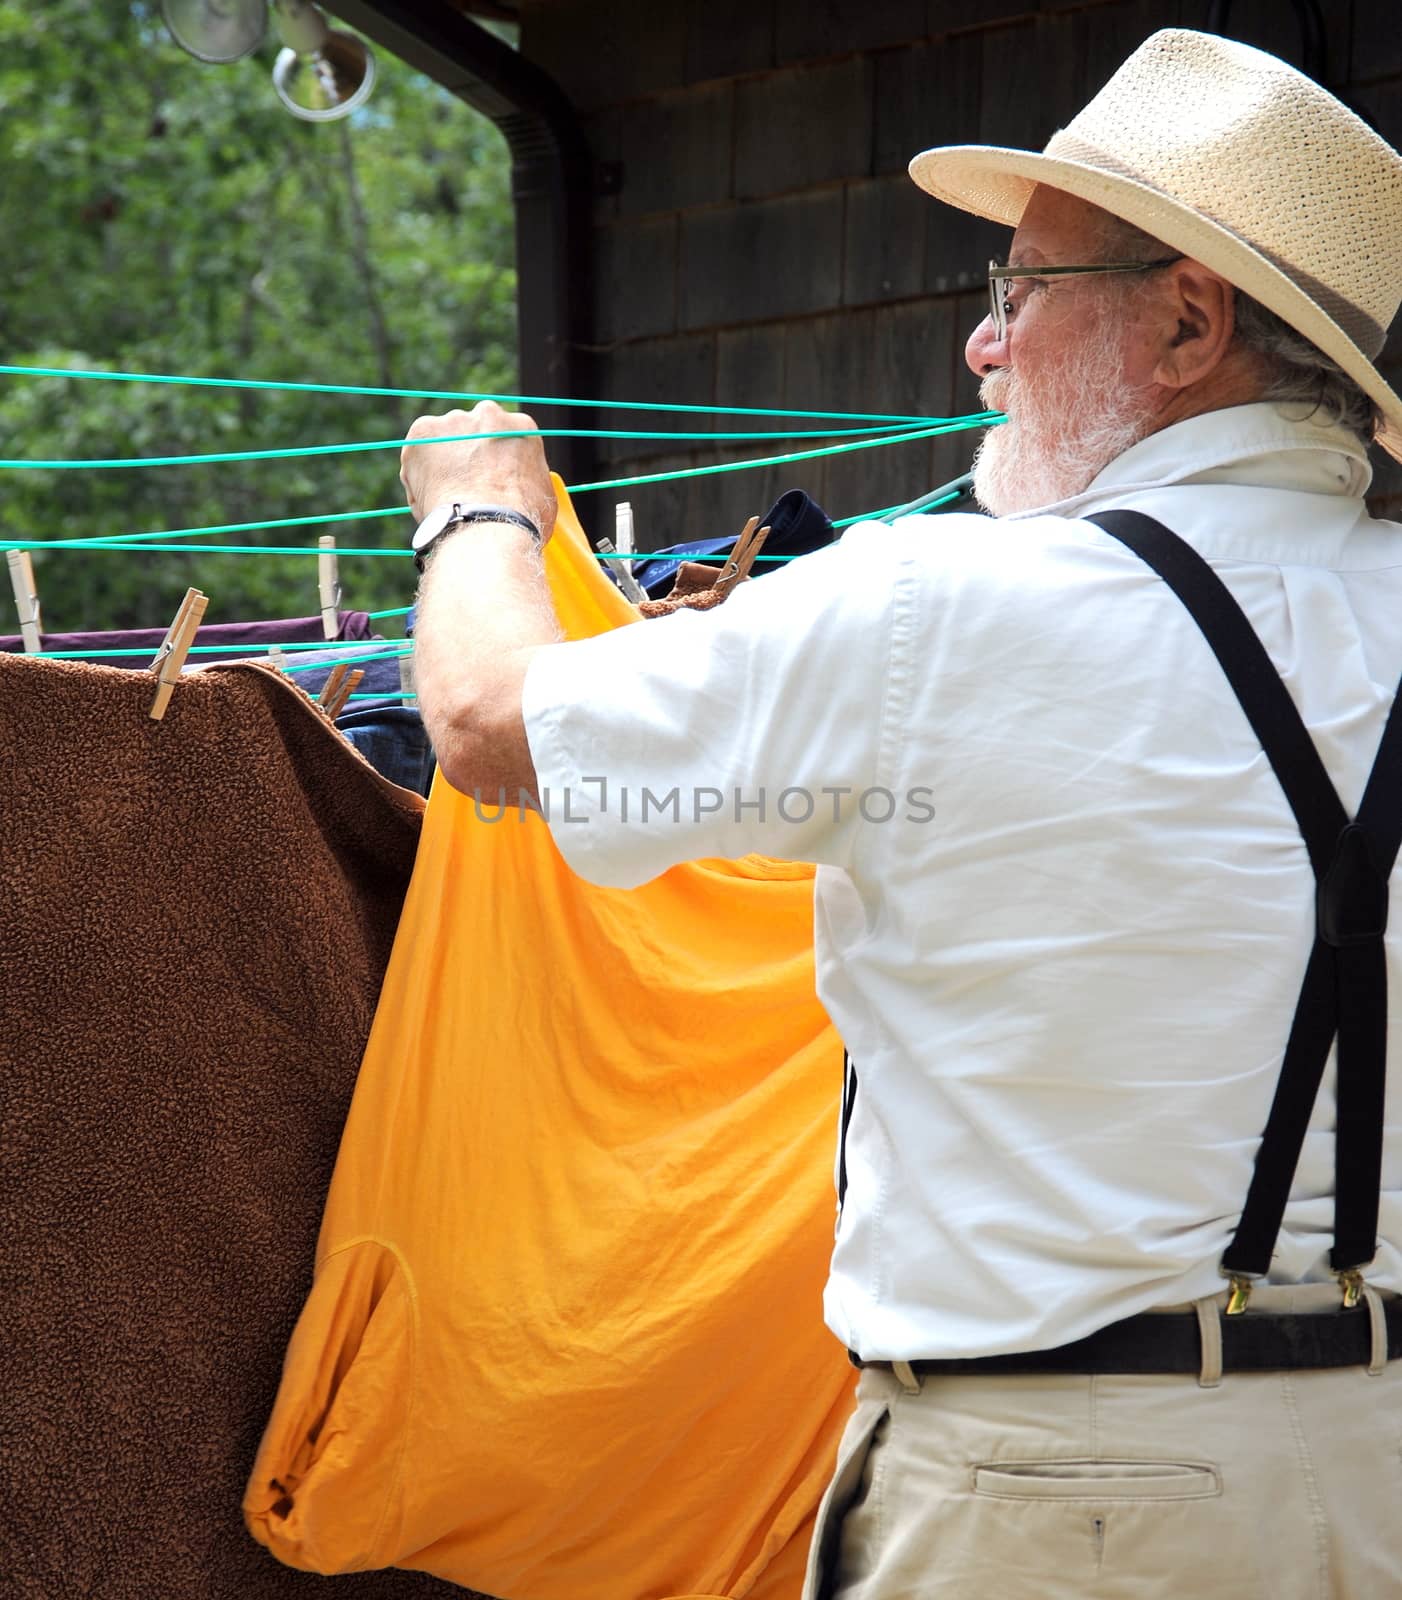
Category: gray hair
<point>1301,372</point>
<point>1298,371</point>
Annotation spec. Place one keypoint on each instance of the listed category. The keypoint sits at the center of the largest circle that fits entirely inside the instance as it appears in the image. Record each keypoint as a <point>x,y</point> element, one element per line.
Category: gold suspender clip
<point>1241,1292</point>
<point>1351,1282</point>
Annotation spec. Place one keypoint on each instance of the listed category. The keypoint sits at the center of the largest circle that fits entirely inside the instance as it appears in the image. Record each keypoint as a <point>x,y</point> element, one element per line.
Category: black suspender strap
<point>1344,992</point>
<point>849,1103</point>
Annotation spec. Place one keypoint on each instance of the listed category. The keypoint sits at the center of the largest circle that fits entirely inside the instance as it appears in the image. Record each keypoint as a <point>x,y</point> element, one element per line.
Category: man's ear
<point>1199,319</point>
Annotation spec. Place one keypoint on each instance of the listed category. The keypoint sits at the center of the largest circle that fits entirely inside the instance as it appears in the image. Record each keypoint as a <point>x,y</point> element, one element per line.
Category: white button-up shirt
<point>1062,908</point>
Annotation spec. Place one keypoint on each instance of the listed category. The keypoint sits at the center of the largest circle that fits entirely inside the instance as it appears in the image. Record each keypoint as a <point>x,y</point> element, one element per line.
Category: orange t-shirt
<point>565,1339</point>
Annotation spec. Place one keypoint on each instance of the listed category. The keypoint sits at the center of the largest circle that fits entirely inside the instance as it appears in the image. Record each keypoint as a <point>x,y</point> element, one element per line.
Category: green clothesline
<point>95,463</point>
<point>449,394</point>
<point>931,502</point>
<point>223,527</point>
<point>118,545</point>
<point>349,659</point>
<point>794,455</point>
<point>866,442</point>
<point>891,429</point>
<point>102,546</point>
<point>325,645</point>
<point>242,652</point>
<point>891,511</point>
<point>142,541</point>
<point>127,541</point>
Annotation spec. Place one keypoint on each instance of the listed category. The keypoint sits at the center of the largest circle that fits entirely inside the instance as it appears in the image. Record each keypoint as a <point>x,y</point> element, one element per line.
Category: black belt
<point>1169,1341</point>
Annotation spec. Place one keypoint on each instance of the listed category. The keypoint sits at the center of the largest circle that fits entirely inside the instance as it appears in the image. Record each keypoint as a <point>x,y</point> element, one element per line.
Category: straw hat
<point>1242,163</point>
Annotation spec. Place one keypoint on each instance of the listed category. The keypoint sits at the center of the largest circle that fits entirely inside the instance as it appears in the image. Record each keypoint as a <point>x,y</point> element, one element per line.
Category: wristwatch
<point>448,518</point>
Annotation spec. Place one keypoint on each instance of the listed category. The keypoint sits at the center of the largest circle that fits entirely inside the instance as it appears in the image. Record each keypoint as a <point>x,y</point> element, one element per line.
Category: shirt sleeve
<point>753,727</point>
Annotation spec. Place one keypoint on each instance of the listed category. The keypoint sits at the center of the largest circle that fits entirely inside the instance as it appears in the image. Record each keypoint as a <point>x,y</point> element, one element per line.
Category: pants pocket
<point>1097,1480</point>
<point>857,1441</point>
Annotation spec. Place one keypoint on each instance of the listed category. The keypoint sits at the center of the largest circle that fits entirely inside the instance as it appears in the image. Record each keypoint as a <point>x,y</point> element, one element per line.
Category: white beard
<point>1057,439</point>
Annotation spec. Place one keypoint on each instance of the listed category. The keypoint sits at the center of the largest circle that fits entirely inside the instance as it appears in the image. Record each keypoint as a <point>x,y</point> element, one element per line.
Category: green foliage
<point>164,216</point>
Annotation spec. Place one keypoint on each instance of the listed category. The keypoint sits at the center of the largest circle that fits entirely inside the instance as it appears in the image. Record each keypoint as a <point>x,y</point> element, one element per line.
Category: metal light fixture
<point>320,74</point>
<point>218,31</point>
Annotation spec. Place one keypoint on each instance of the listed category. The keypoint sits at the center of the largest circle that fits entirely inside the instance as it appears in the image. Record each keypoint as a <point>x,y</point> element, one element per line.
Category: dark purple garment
<point>237,639</point>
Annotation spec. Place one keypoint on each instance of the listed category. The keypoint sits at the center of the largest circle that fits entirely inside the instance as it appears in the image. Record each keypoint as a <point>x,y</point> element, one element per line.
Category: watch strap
<point>462,516</point>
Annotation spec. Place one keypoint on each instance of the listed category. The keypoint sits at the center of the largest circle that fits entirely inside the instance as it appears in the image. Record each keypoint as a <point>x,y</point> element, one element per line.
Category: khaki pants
<point>1266,1486</point>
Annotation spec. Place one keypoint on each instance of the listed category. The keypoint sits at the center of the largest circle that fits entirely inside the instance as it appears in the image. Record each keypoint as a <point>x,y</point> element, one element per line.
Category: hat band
<point>1365,331</point>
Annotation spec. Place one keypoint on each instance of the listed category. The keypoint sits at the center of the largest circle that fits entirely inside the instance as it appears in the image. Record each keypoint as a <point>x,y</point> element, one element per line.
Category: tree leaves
<point>165,216</point>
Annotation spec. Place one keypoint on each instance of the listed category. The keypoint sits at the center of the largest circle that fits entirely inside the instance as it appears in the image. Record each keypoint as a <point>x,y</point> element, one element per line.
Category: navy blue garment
<point>797,527</point>
<point>393,740</point>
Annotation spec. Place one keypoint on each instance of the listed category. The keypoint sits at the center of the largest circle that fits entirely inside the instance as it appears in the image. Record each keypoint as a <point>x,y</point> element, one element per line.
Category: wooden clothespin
<point>406,675</point>
<point>332,687</point>
<point>698,588</point>
<point>170,658</point>
<point>329,582</point>
<point>340,685</point>
<point>277,658</point>
<point>352,684</point>
<point>742,557</point>
<point>26,598</point>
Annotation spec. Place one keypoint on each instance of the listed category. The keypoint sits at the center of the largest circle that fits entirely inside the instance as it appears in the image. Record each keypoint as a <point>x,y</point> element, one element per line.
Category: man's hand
<point>484,472</point>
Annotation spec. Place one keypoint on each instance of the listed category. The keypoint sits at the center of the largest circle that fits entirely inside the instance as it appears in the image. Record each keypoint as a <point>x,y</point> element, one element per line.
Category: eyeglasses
<point>1000,278</point>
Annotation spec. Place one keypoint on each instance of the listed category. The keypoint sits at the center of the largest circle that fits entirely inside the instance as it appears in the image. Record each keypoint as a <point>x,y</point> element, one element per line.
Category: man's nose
<point>985,352</point>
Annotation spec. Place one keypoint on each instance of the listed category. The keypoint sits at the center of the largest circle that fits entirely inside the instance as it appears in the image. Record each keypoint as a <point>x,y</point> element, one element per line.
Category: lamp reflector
<point>217,31</point>
<point>326,83</point>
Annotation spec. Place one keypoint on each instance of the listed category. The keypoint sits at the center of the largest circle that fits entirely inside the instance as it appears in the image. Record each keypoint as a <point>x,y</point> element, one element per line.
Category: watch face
<point>433,524</point>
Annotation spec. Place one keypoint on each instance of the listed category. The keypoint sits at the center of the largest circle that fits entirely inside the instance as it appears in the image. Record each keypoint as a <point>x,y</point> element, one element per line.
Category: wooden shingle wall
<point>759,243</point>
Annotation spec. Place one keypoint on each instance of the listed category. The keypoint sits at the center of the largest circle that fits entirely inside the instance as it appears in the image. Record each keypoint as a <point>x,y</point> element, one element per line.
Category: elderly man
<point>1120,1229</point>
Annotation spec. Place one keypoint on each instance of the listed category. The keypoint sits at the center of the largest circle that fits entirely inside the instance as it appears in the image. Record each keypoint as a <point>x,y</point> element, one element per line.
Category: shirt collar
<point>1252,446</point>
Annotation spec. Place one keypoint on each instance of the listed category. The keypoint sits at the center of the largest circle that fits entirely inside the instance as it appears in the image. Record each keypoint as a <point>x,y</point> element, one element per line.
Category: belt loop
<point>905,1374</point>
<point>1377,1323</point>
<point>1210,1337</point>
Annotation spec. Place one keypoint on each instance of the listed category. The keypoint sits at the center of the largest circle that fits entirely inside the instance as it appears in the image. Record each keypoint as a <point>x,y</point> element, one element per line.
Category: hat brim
<point>997,183</point>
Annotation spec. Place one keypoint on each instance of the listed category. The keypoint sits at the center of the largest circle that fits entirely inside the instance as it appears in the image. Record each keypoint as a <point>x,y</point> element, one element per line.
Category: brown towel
<point>194,924</point>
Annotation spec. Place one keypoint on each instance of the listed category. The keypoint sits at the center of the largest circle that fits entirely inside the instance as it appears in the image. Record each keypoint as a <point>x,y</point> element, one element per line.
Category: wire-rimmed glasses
<point>999,278</point>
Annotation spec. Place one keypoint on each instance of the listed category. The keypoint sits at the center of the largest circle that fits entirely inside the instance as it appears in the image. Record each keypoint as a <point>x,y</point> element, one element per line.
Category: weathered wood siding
<point>759,243</point>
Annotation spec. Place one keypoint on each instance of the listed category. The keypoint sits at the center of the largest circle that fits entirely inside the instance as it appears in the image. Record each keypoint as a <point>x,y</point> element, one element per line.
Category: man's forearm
<point>484,609</point>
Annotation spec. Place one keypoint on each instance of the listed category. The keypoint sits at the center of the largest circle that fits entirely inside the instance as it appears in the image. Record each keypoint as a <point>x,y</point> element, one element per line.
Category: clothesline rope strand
<point>774,461</point>
<point>103,546</point>
<point>403,611</point>
<point>450,394</point>
<point>980,419</point>
<point>350,658</point>
<point>231,527</point>
<point>889,511</point>
<point>297,452</point>
<point>355,652</point>
<point>100,546</point>
<point>578,488</point>
<point>397,611</point>
<point>116,539</point>
<point>234,652</point>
